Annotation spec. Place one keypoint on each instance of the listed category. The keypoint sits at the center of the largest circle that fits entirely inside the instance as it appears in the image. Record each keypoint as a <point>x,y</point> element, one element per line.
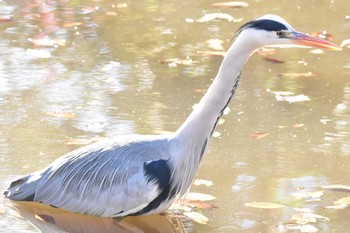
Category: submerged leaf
<point>197,217</point>
<point>265,205</point>
<point>273,60</point>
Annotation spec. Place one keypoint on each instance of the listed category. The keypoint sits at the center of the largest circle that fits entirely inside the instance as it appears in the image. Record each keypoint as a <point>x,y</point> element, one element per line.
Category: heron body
<point>144,174</point>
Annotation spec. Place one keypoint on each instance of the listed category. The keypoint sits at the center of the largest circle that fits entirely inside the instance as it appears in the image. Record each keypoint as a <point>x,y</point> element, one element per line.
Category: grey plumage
<point>137,175</point>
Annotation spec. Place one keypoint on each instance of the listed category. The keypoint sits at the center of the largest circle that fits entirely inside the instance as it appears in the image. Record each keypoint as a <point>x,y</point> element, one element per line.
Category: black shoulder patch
<point>159,172</point>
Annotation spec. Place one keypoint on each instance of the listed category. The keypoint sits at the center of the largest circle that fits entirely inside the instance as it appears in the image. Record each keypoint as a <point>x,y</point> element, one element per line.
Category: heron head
<point>273,30</point>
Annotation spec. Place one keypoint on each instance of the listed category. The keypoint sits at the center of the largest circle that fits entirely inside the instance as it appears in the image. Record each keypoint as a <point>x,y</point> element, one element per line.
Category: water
<point>105,78</point>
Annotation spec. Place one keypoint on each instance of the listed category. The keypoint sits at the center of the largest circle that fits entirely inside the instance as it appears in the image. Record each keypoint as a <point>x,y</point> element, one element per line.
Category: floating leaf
<point>111,13</point>
<point>215,44</point>
<point>258,135</point>
<point>197,217</point>
<point>292,99</point>
<point>298,125</point>
<point>71,24</point>
<point>62,114</point>
<point>295,75</point>
<point>345,43</point>
<point>337,187</point>
<point>217,16</point>
<point>273,60</point>
<point>192,196</point>
<point>337,207</point>
<point>265,205</point>
<point>207,183</point>
<point>233,4</point>
<point>211,53</point>
<point>343,201</point>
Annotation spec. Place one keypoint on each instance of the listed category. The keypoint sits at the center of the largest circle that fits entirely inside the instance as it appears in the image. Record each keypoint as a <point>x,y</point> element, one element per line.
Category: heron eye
<point>280,33</point>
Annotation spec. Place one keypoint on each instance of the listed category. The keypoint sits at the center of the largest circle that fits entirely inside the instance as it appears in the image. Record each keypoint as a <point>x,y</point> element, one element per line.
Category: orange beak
<point>303,39</point>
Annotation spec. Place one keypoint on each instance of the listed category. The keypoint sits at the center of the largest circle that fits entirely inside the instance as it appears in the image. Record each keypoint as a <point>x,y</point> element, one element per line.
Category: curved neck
<point>202,121</point>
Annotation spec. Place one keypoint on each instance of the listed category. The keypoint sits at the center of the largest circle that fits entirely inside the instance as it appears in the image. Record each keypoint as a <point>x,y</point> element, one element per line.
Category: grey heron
<point>144,174</point>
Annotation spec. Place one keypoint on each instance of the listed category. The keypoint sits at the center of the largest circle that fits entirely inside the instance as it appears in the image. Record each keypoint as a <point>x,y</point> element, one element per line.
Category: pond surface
<point>73,72</point>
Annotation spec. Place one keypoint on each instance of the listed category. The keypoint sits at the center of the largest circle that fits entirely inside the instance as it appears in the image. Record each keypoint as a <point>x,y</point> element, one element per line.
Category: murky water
<point>103,77</point>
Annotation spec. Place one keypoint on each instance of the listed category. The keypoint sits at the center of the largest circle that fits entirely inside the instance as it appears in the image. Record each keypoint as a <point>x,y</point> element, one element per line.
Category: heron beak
<point>306,40</point>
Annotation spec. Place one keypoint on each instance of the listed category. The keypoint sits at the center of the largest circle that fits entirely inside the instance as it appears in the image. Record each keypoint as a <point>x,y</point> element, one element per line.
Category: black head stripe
<point>263,24</point>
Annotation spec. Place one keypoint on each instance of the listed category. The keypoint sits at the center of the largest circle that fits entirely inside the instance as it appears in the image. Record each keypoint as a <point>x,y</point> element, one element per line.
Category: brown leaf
<point>337,187</point>
<point>233,4</point>
<point>265,205</point>
<point>71,24</point>
<point>259,135</point>
<point>273,60</point>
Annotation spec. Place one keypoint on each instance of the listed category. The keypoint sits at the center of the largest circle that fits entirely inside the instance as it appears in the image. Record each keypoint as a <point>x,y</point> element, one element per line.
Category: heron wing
<point>104,179</point>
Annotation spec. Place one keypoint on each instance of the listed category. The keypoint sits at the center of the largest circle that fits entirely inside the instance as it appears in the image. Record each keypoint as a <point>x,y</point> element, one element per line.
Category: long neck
<point>202,121</point>
<point>193,136</point>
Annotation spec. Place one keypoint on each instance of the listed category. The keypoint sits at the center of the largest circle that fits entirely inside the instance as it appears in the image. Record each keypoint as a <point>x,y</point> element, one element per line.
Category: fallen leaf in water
<point>273,60</point>
<point>192,196</point>
<point>294,75</point>
<point>215,44</point>
<point>265,205</point>
<point>337,207</point>
<point>111,13</point>
<point>47,42</point>
<point>62,114</point>
<point>197,217</point>
<point>259,135</point>
<point>211,53</point>
<point>6,18</point>
<point>298,125</point>
<point>233,4</point>
<point>218,16</point>
<point>345,43</point>
<point>343,201</point>
<point>337,187</point>
<point>207,183</point>
<point>71,24</point>
<point>323,35</point>
<point>293,99</point>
